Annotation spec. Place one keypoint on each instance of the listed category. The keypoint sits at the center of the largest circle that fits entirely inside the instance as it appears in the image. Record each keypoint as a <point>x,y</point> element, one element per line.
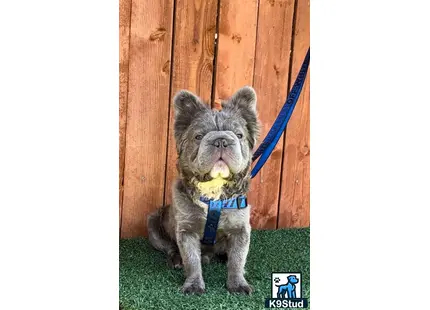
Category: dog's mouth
<point>220,170</point>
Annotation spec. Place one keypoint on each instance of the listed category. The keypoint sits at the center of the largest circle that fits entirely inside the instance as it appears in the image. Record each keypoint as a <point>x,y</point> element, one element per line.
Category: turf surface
<point>147,283</point>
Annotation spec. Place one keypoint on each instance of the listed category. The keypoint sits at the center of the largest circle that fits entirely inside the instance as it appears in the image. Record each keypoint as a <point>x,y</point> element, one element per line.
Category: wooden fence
<point>212,48</point>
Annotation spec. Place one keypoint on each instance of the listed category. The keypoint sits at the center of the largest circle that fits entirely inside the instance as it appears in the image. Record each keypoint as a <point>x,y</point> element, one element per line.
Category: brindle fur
<point>178,228</point>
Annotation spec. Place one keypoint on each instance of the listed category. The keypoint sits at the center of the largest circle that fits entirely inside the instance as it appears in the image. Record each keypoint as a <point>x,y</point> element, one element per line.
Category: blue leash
<point>263,152</point>
<point>272,138</point>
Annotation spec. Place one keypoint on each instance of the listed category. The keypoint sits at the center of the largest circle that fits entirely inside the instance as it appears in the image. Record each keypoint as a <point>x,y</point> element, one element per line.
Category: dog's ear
<point>244,101</point>
<point>187,106</point>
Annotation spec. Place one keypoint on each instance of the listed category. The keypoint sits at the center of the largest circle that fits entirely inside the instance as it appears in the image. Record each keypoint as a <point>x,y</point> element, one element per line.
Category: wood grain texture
<point>272,64</point>
<point>294,204</point>
<point>124,39</point>
<point>194,43</point>
<point>147,112</point>
<point>236,47</point>
<point>254,44</point>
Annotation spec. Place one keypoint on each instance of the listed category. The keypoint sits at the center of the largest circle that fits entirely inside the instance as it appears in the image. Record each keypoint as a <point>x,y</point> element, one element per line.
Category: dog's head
<point>215,144</point>
<point>293,279</point>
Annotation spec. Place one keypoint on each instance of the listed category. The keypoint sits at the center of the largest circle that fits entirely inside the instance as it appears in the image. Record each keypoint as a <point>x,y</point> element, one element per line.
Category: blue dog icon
<point>289,288</point>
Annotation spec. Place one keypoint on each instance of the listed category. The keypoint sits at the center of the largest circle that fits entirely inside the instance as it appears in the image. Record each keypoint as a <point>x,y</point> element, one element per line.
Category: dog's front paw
<point>193,286</point>
<point>239,285</point>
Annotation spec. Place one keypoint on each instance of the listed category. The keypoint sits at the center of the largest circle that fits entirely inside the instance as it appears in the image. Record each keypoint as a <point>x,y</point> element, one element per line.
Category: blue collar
<point>214,213</point>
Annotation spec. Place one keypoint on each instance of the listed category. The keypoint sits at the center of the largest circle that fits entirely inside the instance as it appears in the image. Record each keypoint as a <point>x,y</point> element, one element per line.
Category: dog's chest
<point>233,219</point>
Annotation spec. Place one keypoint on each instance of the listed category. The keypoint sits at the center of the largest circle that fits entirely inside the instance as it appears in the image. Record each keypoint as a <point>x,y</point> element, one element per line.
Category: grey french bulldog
<point>214,159</point>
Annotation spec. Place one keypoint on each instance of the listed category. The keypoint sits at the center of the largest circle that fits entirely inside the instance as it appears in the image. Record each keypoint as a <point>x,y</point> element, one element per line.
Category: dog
<point>214,159</point>
<point>289,288</point>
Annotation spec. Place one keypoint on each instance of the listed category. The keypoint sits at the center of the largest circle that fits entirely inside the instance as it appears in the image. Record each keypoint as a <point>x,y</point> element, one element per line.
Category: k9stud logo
<point>286,291</point>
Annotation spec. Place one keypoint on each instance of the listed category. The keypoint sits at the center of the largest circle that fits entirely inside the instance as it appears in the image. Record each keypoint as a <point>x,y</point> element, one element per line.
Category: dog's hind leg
<point>160,240</point>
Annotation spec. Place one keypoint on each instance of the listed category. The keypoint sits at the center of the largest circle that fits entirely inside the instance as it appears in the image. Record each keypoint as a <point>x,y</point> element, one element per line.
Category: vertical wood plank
<point>294,203</point>
<point>147,112</point>
<point>272,63</point>
<point>236,47</point>
<point>194,43</point>
<point>236,60</point>
<point>124,40</point>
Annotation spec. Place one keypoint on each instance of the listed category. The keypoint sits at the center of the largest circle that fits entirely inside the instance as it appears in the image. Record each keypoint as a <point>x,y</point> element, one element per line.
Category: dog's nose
<point>220,142</point>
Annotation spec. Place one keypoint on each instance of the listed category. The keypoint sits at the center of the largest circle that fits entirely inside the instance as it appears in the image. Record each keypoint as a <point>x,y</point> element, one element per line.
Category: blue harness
<point>214,213</point>
<point>263,152</point>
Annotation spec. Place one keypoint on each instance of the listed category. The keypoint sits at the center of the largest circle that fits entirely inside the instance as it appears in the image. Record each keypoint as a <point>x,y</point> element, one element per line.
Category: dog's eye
<point>239,135</point>
<point>199,137</point>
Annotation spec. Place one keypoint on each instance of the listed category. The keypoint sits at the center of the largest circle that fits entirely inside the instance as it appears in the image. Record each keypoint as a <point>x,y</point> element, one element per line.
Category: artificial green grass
<point>146,282</point>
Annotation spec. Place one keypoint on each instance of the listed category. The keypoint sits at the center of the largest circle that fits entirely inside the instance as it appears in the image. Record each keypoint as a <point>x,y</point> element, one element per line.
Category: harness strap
<point>214,213</point>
